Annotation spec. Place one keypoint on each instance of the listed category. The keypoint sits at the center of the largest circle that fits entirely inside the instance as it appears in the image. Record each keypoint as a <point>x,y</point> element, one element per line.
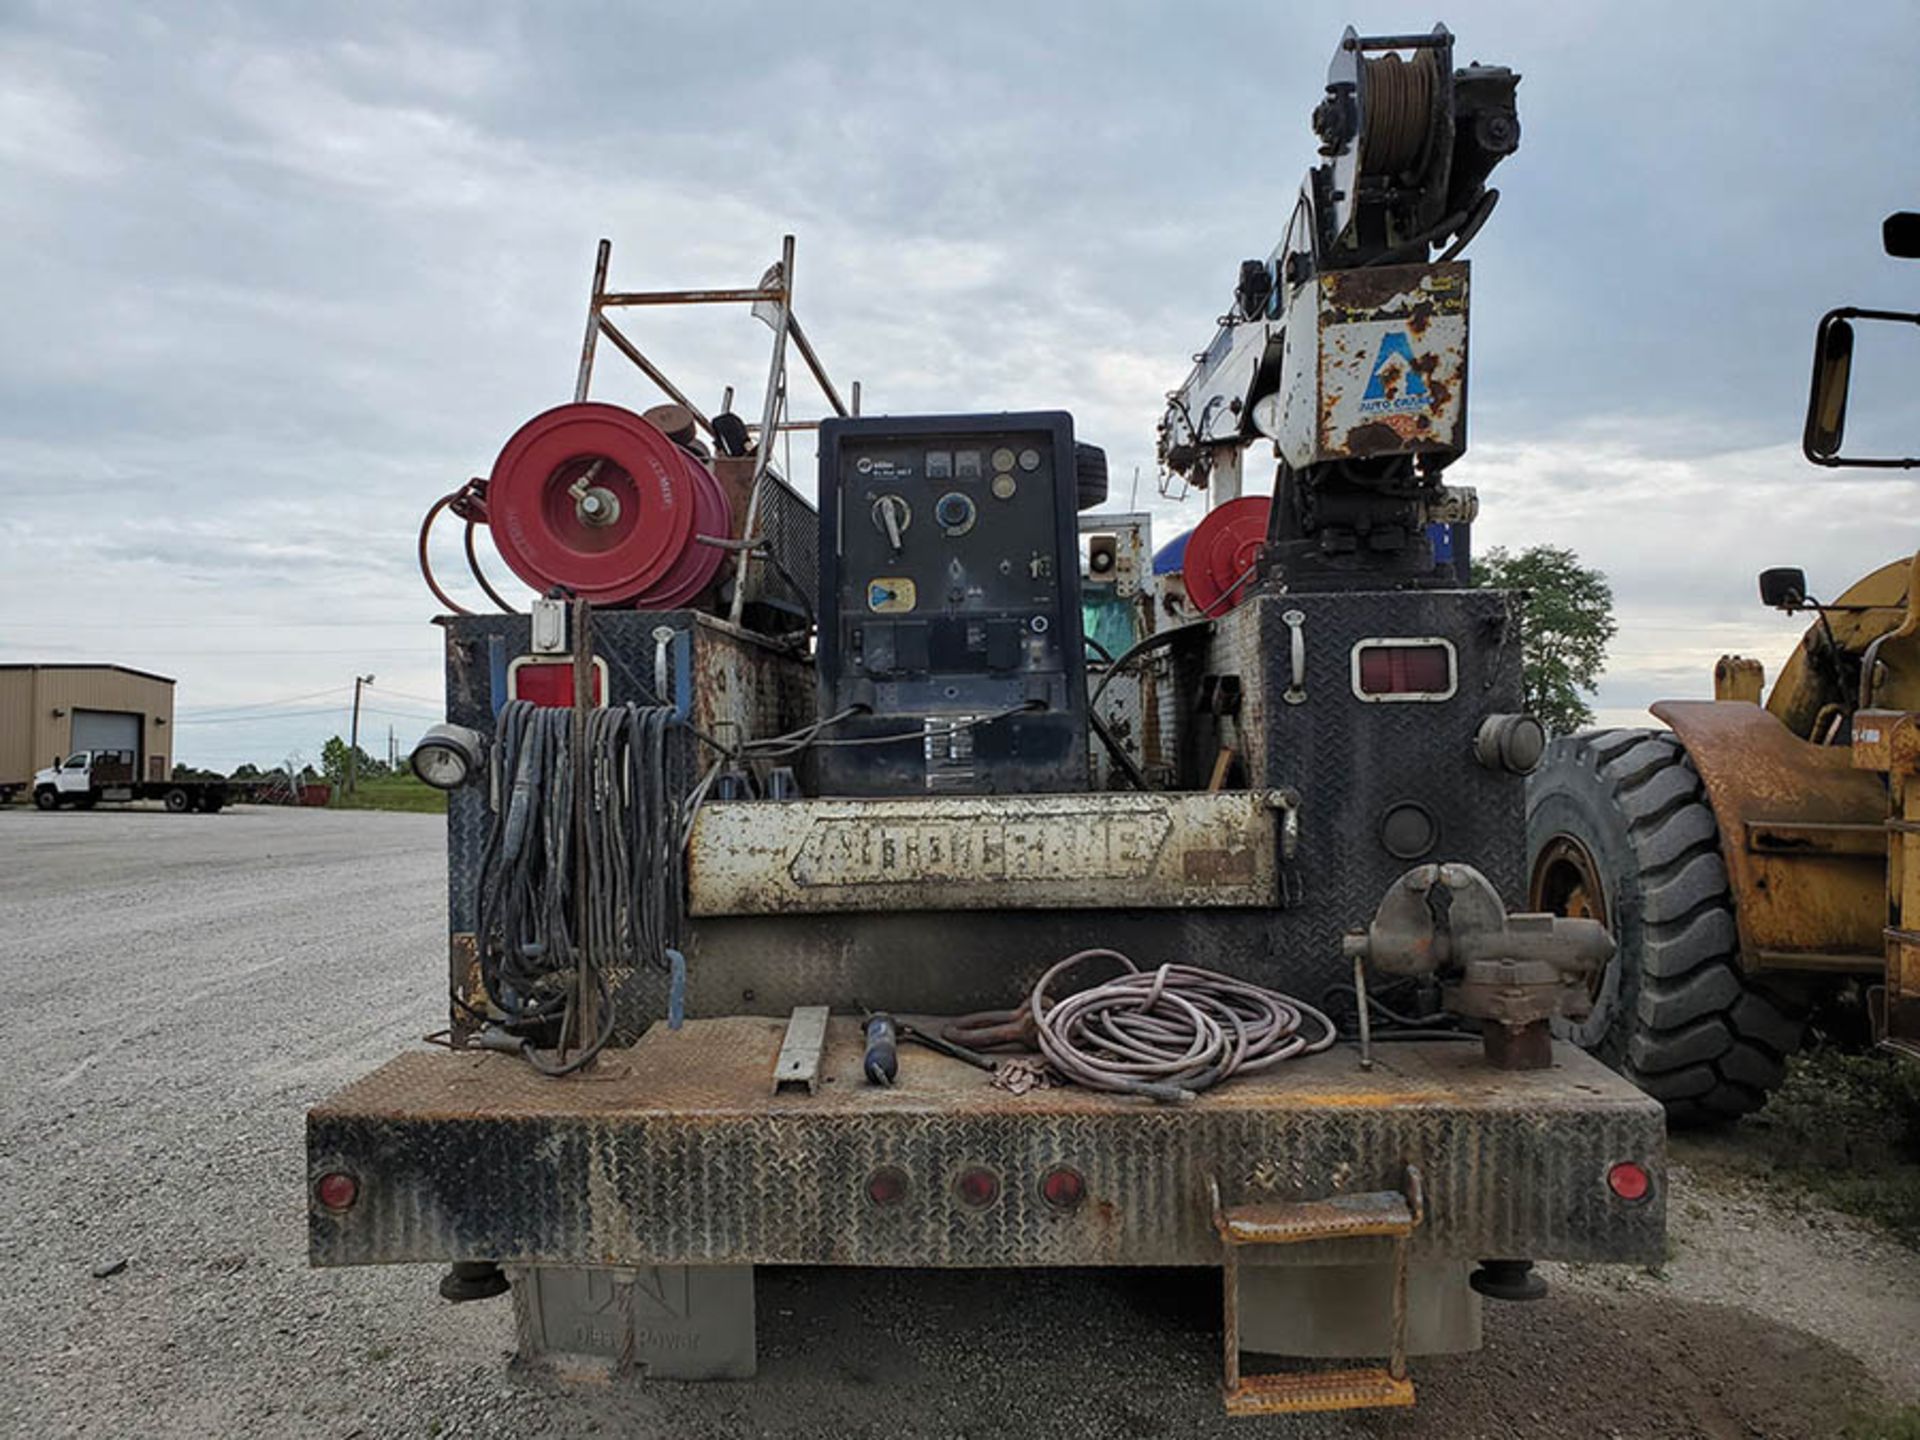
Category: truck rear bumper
<point>677,1152</point>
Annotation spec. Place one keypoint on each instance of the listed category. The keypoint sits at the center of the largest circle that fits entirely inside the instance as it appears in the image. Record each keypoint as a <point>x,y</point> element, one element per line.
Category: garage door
<point>107,730</point>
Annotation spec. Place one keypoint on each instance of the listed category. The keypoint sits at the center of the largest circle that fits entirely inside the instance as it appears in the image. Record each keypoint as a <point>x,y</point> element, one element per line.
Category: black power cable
<point>528,934</point>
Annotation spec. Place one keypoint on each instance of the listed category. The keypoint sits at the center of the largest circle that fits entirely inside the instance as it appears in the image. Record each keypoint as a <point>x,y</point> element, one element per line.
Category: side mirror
<point>1827,404</point>
<point>1784,588</point>
<point>1900,233</point>
<point>1833,346</point>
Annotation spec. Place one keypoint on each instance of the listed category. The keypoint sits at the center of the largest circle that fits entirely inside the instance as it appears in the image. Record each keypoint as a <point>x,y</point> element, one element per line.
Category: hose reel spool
<point>1409,142</point>
<point>1398,100</point>
<point>1223,553</point>
<point>599,501</point>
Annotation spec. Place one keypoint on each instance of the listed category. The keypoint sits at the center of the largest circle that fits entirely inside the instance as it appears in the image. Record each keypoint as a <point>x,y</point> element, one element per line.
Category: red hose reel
<point>1223,551</point>
<point>596,499</point>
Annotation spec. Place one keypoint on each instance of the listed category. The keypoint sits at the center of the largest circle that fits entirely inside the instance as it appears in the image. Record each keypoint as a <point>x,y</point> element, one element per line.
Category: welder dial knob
<point>891,517</point>
<point>955,512</point>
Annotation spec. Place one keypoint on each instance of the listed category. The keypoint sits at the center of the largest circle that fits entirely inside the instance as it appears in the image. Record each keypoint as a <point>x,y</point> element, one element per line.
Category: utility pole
<point>353,745</point>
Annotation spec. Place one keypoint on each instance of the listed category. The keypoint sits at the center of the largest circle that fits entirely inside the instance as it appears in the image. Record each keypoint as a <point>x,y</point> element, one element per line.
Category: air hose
<point>1168,1033</point>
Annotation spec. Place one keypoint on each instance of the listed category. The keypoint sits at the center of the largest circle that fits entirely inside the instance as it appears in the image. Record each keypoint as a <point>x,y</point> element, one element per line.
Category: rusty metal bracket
<point>1385,1215</point>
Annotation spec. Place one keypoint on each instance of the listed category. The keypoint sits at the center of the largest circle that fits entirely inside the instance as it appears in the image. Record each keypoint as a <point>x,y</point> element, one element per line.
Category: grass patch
<point>1845,1129</point>
<point>393,792</point>
<point>1901,1424</point>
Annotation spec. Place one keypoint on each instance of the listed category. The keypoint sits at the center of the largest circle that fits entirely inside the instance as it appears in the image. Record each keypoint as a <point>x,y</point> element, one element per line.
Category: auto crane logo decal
<point>1396,385</point>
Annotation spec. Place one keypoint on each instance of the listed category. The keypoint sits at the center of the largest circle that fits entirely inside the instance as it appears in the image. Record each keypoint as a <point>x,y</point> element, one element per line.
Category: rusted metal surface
<point>675,1152</point>
<point>1377,1215</point>
<point>1797,898</point>
<point>977,852</point>
<point>463,976</point>
<point>1338,1217</point>
<point>753,296</point>
<point>1888,743</point>
<point>745,686</point>
<point>1314,1392</point>
<point>1393,361</point>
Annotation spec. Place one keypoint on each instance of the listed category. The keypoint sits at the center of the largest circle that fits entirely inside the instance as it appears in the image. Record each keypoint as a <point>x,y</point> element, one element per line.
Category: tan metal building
<point>53,710</point>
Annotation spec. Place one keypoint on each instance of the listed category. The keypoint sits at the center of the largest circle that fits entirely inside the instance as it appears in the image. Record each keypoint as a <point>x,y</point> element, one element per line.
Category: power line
<point>265,704</point>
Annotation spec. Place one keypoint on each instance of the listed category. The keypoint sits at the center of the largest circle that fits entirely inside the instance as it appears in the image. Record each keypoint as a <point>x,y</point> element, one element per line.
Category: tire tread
<point>1702,1038</point>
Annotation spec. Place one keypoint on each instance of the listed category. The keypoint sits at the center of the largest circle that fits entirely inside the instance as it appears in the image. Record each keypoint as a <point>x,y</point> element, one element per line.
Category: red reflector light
<point>550,682</point>
<point>1403,669</point>
<point>337,1190</point>
<point>1063,1188</point>
<point>1629,1181</point>
<point>887,1186</point>
<point>978,1187</point>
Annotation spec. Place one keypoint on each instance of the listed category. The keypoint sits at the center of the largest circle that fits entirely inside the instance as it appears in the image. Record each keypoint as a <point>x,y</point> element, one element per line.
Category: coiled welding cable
<point>1168,1033</point>
<point>525,923</point>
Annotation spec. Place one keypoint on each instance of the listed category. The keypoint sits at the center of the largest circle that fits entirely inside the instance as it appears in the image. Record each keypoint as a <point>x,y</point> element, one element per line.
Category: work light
<point>448,756</point>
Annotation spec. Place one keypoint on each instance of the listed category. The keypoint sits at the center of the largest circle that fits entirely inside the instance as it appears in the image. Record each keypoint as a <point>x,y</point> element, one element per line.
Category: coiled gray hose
<point>1168,1033</point>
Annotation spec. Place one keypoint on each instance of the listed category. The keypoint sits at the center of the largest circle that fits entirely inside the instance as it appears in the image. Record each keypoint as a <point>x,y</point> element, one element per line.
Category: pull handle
<point>1296,623</point>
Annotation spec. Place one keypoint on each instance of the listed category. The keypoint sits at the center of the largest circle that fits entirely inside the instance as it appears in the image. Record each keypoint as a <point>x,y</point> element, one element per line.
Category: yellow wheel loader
<point>1754,855</point>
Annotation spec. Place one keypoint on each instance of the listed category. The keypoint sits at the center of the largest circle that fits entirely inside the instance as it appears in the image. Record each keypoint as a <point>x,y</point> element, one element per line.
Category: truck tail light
<point>887,1186</point>
<point>1395,669</point>
<point>1063,1187</point>
<point>337,1190</point>
<point>978,1187</point>
<point>1629,1181</point>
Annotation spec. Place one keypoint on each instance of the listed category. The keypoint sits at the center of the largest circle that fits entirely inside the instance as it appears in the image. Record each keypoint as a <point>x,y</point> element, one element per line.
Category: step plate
<point>1338,1217</point>
<point>1312,1392</point>
<point>674,1152</point>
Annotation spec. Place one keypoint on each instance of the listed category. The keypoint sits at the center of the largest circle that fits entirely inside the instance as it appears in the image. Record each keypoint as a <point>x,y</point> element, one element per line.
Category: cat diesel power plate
<point>950,585</point>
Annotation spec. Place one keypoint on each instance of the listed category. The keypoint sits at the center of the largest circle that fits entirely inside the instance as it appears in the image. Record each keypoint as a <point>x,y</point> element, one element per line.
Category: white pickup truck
<point>87,777</point>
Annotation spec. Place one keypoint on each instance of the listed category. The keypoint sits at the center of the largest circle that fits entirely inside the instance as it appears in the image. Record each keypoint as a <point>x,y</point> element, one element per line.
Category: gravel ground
<point>182,987</point>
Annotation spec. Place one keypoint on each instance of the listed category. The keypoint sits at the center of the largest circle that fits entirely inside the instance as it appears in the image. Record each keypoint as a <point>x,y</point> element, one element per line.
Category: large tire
<point>1089,476</point>
<point>178,801</point>
<point>47,798</point>
<point>1618,827</point>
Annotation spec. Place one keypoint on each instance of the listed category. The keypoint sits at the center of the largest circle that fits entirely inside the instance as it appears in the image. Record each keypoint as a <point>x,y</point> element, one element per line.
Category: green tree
<point>1566,620</point>
<point>333,761</point>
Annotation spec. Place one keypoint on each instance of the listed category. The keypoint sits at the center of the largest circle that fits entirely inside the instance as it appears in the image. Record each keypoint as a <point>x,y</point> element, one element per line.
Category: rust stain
<point>1214,867</point>
<point>1761,780</point>
<point>1376,437</point>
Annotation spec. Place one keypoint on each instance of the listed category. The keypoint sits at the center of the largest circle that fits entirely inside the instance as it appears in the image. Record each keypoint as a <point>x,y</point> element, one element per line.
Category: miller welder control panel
<point>950,591</point>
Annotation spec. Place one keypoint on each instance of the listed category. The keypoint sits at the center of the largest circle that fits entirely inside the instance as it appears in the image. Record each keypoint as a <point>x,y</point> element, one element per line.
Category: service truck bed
<point>678,1151</point>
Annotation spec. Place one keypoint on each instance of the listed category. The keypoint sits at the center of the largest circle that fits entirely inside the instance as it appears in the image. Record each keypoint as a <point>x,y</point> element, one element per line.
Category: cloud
<point>274,279</point>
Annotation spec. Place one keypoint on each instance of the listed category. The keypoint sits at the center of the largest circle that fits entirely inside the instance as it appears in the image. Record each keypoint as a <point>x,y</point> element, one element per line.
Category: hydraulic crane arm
<point>1346,346</point>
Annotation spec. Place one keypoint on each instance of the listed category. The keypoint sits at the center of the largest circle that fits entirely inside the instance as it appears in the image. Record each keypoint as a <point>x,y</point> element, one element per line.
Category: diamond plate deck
<point>674,1152</point>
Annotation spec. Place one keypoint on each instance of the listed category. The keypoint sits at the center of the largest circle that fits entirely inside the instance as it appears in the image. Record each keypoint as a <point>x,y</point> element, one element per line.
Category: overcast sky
<point>275,277</point>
